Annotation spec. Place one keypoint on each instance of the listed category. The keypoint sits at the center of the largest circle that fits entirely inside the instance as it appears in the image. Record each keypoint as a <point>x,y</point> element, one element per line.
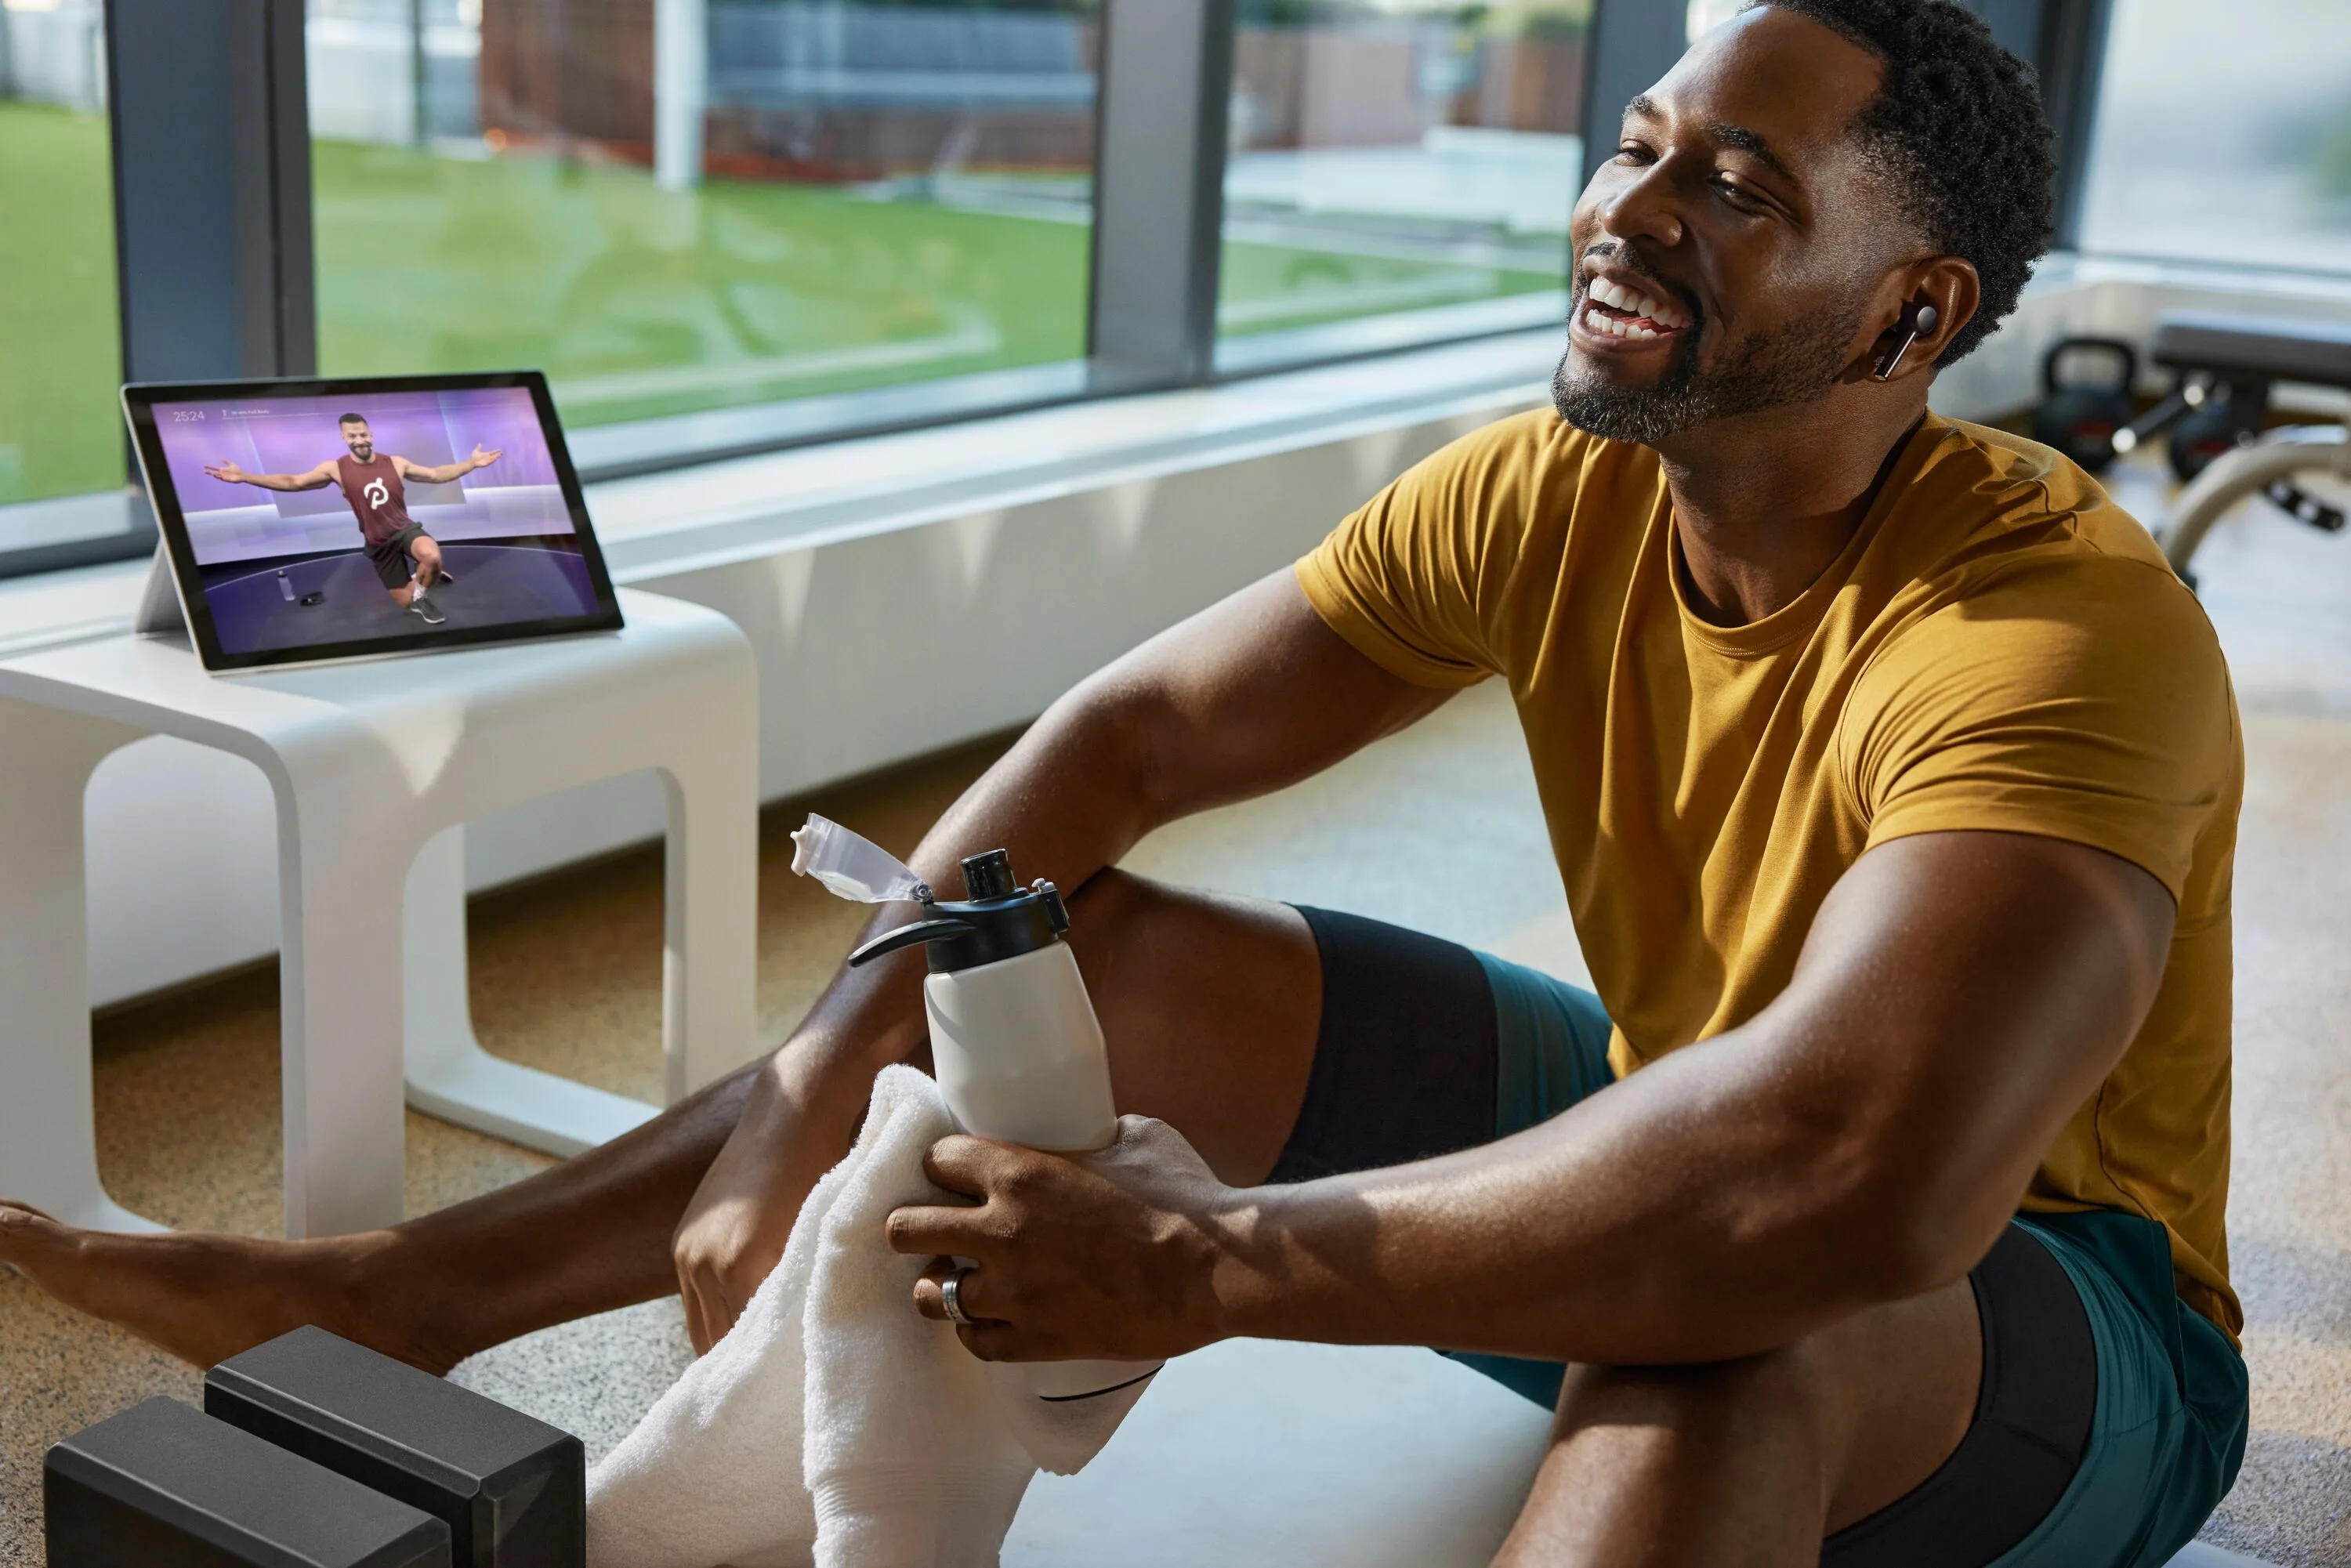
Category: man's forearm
<point>1676,1217</point>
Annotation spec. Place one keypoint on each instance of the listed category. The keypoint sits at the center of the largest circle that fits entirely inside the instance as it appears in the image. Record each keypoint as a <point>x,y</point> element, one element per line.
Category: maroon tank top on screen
<point>376,493</point>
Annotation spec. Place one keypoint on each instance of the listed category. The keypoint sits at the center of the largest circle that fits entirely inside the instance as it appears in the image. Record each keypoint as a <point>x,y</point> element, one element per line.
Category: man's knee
<point>1108,897</point>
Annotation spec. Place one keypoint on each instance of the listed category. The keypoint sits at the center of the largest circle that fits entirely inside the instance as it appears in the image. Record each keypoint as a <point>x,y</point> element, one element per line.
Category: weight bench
<point>2247,356</point>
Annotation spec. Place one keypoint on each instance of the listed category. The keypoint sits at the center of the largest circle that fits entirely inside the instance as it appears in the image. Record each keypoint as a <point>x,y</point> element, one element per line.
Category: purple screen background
<point>292,435</point>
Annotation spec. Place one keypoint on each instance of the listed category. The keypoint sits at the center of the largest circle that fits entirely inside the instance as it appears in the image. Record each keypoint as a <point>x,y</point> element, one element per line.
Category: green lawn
<point>635,301</point>
<point>60,359</point>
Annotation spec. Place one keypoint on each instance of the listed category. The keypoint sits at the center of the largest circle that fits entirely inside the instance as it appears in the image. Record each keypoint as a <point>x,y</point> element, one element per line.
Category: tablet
<point>340,518</point>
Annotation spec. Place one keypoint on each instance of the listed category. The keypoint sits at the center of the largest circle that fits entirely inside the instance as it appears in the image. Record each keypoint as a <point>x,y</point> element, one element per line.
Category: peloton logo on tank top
<point>377,492</point>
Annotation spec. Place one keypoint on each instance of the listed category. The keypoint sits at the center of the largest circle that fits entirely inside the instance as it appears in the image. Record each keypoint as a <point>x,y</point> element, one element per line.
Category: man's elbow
<point>1896,1235</point>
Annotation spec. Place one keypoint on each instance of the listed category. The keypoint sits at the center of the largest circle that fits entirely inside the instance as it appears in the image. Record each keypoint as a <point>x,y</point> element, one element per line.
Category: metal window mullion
<point>1632,43</point>
<point>2071,57</point>
<point>212,188</point>
<point>1159,177</point>
<point>2066,40</point>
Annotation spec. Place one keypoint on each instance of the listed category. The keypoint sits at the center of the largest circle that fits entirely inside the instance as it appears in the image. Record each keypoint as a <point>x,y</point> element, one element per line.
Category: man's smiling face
<point>360,440</point>
<point>1726,257</point>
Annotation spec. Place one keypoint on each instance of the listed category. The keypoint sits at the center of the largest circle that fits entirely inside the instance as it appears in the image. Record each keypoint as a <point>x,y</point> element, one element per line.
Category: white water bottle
<point>1014,1040</point>
<point>1016,1048</point>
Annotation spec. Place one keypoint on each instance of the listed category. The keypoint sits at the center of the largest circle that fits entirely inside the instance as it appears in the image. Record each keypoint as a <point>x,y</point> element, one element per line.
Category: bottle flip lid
<point>998,919</point>
<point>852,866</point>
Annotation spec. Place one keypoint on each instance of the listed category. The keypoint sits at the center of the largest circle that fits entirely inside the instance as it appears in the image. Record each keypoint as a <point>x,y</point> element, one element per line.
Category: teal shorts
<point>2167,1429</point>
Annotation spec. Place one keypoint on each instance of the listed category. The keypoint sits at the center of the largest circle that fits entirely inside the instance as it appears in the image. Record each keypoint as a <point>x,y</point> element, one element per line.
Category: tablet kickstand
<point>159,602</point>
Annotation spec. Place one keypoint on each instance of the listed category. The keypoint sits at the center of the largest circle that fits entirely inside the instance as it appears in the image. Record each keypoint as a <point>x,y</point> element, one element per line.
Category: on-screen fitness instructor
<point>407,559</point>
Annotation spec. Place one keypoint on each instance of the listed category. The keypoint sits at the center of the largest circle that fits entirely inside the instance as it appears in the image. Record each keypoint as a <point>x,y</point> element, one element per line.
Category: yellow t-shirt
<point>1999,648</point>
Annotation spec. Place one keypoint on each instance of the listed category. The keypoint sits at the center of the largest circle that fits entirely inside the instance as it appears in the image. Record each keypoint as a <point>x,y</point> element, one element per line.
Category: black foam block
<point>165,1485</point>
<point>513,1491</point>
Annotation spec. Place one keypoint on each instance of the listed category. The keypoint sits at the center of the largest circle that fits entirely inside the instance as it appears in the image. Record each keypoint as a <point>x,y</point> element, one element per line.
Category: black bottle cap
<point>1001,920</point>
<point>989,875</point>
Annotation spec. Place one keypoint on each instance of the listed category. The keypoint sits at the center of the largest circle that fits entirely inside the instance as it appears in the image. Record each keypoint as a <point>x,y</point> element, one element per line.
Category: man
<point>407,559</point>
<point>1893,779</point>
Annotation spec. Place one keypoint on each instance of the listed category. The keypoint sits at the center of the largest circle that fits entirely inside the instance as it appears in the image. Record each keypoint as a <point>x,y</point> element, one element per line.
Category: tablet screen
<point>369,517</point>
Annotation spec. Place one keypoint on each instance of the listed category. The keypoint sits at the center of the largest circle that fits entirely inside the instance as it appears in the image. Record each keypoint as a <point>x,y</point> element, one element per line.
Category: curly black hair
<point>1957,128</point>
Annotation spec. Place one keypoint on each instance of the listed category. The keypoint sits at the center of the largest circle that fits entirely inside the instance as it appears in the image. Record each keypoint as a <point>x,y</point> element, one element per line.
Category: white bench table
<point>376,766</point>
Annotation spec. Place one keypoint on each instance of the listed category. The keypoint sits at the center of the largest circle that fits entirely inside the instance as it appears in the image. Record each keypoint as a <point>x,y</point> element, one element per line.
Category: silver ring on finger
<point>951,1294</point>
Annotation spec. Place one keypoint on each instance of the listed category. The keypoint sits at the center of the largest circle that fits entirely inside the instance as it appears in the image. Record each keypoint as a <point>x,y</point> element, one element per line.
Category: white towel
<point>834,1425</point>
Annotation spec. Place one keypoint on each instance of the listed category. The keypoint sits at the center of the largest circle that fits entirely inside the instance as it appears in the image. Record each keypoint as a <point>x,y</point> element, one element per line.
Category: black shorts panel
<point>1404,1055</point>
<point>391,557</point>
<point>2034,1412</point>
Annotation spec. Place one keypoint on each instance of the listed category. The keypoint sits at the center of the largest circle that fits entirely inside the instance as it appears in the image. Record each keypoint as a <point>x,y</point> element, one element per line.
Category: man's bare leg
<point>1752,1462</point>
<point>586,1236</point>
<point>427,552</point>
<point>1210,1006</point>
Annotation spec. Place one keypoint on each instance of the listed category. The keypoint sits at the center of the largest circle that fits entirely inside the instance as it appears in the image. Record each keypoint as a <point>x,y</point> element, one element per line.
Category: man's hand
<point>227,472</point>
<point>1111,1254</point>
<point>481,459</point>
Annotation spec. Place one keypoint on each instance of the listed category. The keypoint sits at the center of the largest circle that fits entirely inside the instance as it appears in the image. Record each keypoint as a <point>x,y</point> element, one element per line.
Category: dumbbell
<point>365,1442</point>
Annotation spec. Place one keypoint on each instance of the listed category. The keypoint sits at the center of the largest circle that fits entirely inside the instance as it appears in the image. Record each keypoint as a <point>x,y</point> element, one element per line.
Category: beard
<point>1789,364</point>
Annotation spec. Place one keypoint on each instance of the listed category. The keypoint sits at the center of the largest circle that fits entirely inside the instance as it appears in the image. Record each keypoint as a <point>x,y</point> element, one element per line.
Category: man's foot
<point>205,1298</point>
<point>425,609</point>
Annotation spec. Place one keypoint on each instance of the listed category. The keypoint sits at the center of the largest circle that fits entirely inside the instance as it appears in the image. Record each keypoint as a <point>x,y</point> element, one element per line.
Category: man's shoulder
<point>1981,497</point>
<point>2025,581</point>
<point>2008,560</point>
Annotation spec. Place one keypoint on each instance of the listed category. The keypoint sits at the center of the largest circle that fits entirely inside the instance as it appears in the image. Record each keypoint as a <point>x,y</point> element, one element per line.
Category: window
<point>2228,142</point>
<point>60,430</point>
<point>1394,156</point>
<point>725,225</point>
<point>882,193</point>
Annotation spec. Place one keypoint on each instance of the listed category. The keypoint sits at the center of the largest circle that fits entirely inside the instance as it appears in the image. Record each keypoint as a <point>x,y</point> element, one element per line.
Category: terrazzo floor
<point>1435,828</point>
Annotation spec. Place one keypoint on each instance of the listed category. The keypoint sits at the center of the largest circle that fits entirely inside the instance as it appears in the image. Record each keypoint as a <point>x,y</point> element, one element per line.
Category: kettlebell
<point>2079,408</point>
<point>2233,414</point>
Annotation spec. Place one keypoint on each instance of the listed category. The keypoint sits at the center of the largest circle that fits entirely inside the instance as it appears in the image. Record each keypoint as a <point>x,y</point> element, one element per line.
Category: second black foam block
<point>512,1489</point>
<point>162,1486</point>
